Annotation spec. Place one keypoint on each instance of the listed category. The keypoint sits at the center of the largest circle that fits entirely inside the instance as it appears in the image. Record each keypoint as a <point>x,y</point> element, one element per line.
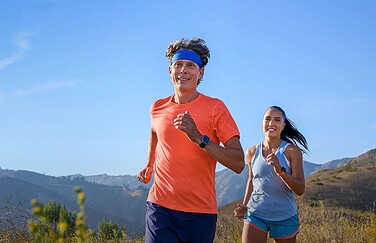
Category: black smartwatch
<point>204,141</point>
<point>283,171</point>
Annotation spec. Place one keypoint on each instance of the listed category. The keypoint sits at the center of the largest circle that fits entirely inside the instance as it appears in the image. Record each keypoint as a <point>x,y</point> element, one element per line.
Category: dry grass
<point>318,224</point>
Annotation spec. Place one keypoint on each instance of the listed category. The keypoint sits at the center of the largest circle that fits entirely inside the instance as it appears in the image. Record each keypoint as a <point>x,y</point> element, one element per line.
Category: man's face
<point>185,74</point>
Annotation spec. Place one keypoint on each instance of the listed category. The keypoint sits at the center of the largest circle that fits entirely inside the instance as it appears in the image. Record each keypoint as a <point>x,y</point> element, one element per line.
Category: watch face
<point>284,169</point>
<point>205,139</point>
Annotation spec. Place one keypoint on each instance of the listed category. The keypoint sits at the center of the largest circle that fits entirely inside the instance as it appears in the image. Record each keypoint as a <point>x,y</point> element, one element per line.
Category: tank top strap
<point>284,146</point>
<point>257,153</point>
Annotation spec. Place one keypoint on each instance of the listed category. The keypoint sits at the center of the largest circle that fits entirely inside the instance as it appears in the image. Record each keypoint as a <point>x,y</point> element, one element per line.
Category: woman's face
<point>273,123</point>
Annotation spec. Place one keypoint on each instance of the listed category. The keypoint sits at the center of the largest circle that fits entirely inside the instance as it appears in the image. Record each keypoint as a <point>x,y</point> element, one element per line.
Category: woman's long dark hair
<point>290,133</point>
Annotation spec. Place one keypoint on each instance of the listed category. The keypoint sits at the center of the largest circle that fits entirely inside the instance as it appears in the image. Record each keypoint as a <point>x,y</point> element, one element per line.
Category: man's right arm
<point>146,173</point>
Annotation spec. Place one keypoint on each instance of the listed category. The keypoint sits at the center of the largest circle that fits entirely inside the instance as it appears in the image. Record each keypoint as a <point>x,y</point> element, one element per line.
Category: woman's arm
<point>296,181</point>
<point>241,209</point>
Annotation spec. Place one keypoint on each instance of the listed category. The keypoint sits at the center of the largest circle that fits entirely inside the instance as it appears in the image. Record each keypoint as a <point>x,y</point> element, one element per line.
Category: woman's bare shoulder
<point>293,151</point>
<point>249,153</point>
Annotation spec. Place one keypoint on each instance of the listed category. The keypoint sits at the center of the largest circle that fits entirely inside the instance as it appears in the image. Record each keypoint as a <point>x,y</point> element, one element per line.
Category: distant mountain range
<point>117,198</point>
<point>310,168</point>
<point>119,204</point>
<point>229,185</point>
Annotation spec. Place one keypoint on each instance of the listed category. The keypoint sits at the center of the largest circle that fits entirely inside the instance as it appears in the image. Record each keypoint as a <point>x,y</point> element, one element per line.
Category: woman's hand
<point>240,211</point>
<point>273,160</point>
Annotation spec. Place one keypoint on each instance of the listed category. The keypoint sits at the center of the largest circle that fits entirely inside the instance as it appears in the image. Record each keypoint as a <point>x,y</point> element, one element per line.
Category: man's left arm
<point>231,155</point>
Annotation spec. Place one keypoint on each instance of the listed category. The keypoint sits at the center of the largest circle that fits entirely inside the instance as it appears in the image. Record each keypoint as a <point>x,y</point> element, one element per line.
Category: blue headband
<point>187,55</point>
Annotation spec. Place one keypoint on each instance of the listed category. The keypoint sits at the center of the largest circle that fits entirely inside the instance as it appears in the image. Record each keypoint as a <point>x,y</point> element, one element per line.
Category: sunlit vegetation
<point>319,223</point>
<point>348,168</point>
<point>53,223</point>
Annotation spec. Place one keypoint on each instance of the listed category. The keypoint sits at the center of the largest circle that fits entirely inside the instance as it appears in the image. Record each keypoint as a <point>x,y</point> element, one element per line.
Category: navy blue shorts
<point>167,225</point>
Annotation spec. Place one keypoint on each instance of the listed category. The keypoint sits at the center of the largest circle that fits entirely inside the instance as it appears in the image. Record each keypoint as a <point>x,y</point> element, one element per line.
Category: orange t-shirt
<point>184,177</point>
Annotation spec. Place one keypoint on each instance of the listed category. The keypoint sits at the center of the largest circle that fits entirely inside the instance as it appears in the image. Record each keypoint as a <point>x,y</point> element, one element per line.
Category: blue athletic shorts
<point>165,225</point>
<point>283,229</point>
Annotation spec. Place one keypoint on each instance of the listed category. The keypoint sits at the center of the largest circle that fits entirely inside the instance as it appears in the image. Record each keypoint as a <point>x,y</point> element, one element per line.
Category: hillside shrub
<point>349,168</point>
<point>13,219</point>
<point>109,231</point>
<point>55,224</point>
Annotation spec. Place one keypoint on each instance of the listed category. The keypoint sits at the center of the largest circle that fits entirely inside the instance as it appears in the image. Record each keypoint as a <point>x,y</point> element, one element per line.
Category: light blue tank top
<point>271,199</point>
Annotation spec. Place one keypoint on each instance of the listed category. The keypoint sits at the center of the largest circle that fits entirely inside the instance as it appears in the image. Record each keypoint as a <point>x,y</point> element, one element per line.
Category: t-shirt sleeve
<point>224,126</point>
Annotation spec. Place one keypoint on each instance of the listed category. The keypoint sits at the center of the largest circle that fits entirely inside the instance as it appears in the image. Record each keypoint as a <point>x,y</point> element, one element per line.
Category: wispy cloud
<point>22,44</point>
<point>40,88</point>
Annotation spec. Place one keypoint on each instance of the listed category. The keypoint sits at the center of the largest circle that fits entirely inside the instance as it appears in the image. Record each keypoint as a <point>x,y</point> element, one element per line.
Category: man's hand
<point>145,175</point>
<point>185,123</point>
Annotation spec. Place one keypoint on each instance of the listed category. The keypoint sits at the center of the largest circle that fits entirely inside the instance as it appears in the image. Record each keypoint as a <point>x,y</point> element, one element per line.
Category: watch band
<point>204,141</point>
<point>283,172</point>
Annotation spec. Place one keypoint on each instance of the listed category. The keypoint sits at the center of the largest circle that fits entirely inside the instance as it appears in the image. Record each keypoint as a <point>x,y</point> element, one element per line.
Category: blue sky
<point>77,77</point>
